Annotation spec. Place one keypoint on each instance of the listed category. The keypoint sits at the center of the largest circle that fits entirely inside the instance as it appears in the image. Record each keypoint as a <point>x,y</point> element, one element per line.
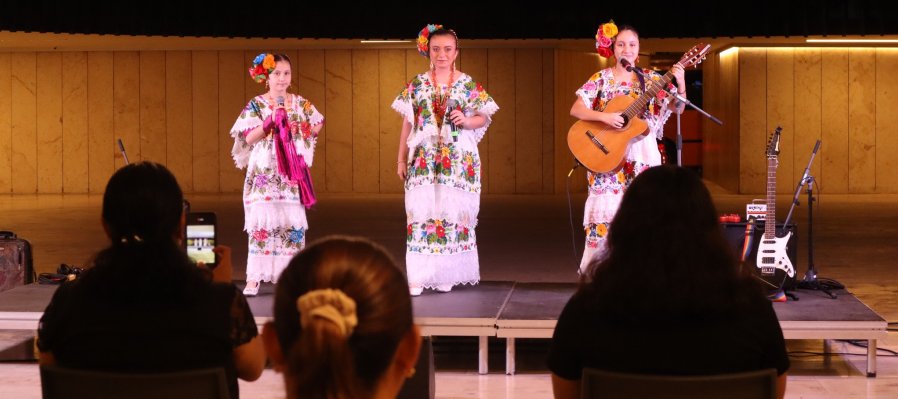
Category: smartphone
<point>201,237</point>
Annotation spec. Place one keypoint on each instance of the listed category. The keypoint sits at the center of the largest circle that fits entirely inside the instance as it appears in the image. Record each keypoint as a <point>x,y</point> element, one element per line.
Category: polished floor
<point>521,238</point>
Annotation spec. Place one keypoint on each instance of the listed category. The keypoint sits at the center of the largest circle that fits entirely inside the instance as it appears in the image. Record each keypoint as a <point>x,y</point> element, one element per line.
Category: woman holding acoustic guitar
<point>606,189</point>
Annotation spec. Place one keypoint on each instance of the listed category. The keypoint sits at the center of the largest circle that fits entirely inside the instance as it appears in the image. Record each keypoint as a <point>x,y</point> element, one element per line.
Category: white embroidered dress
<point>607,189</point>
<point>275,218</point>
<point>442,187</point>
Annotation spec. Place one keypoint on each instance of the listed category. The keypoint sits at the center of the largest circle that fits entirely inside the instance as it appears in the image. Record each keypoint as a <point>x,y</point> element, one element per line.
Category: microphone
<point>280,101</point>
<point>629,67</point>
<point>453,104</point>
<point>121,147</point>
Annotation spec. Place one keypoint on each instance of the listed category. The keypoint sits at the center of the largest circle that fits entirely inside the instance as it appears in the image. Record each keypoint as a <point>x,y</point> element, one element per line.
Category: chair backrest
<point>599,384</point>
<point>59,382</point>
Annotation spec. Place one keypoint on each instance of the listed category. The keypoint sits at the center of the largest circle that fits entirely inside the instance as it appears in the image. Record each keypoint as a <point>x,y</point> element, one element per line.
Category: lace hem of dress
<point>601,208</point>
<point>442,202</point>
<point>266,268</point>
<point>271,214</point>
<point>430,271</point>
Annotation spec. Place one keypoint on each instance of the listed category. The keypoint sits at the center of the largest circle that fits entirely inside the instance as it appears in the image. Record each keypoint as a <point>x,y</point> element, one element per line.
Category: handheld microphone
<point>453,104</point>
<point>280,101</point>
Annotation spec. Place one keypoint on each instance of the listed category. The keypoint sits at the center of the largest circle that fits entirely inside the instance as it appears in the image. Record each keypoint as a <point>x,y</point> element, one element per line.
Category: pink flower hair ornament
<point>605,38</point>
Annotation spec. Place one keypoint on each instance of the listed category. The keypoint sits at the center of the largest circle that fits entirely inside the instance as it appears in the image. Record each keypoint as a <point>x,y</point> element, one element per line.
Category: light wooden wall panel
<point>528,121</point>
<point>179,117</point>
<point>753,120</point>
<point>177,107</point>
<point>415,64</point>
<point>886,121</point>
<point>391,81</point>
<point>573,69</point>
<point>126,105</point>
<point>24,127</point>
<point>5,124</point>
<point>204,77</point>
<point>834,150</point>
<point>365,121</point>
<point>338,82</point>
<point>475,63</point>
<point>100,119</point>
<point>547,130</point>
<point>808,109</point>
<point>861,120</point>
<point>311,79</point>
<point>780,112</point>
<point>74,123</point>
<point>49,122</point>
<point>153,141</point>
<point>230,104</point>
<point>502,130</point>
<point>720,143</point>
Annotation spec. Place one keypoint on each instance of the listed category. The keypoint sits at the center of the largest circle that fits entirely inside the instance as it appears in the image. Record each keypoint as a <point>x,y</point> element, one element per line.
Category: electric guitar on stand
<point>602,148</point>
<point>773,261</point>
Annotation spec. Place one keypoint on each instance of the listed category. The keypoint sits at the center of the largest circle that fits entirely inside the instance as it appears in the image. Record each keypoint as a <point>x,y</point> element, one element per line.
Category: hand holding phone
<point>202,237</point>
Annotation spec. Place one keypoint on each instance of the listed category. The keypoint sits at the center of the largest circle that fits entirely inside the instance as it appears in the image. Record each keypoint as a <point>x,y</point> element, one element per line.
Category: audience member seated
<point>143,306</point>
<point>667,298</point>
<point>342,323</point>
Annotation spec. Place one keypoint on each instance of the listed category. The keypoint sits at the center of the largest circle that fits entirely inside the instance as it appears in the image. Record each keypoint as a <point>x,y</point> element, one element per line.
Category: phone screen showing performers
<point>201,238</point>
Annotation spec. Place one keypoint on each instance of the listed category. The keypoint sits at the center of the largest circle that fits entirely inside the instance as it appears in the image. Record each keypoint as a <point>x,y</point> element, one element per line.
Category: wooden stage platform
<point>513,310</point>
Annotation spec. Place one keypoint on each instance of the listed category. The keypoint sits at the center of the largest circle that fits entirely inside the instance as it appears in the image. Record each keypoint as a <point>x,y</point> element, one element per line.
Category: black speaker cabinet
<point>735,233</point>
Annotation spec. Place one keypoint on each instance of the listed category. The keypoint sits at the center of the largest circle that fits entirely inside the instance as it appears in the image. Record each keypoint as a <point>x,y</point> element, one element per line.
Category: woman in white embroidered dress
<point>607,189</point>
<point>445,114</point>
<point>274,139</point>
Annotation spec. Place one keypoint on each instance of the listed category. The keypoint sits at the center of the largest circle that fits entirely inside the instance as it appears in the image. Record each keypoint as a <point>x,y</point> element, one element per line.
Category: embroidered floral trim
<point>439,237</point>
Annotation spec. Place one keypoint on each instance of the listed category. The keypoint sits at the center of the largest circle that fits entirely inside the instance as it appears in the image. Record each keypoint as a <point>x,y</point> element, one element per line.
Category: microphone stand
<point>681,99</point>
<point>810,281</point>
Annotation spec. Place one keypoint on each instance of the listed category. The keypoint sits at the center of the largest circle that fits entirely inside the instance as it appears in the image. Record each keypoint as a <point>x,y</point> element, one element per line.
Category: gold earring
<point>410,373</point>
<point>431,66</point>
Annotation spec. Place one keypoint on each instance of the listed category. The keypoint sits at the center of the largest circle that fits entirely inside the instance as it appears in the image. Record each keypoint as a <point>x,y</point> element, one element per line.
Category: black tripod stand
<point>810,281</point>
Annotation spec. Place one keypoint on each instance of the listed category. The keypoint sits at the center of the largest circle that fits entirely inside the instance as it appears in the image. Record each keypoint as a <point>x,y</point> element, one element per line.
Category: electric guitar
<point>602,148</point>
<point>772,249</point>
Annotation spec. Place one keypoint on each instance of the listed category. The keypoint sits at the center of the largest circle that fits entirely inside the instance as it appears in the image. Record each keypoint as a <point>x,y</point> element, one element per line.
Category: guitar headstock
<point>773,146</point>
<point>695,55</point>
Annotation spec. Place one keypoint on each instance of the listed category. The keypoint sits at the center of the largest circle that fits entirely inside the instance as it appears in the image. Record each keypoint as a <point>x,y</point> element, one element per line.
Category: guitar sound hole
<point>626,120</point>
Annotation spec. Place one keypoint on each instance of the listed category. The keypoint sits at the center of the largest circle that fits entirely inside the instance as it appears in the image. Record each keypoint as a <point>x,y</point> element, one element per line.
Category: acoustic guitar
<point>602,148</point>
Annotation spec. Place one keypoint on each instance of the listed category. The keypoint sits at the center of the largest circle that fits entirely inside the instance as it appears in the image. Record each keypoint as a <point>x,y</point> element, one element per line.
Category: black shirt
<point>739,341</point>
<point>87,331</point>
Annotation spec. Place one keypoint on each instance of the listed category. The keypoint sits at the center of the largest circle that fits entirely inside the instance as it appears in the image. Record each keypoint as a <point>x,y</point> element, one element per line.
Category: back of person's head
<point>143,210</point>
<point>343,321</point>
<point>666,249</point>
<point>143,203</point>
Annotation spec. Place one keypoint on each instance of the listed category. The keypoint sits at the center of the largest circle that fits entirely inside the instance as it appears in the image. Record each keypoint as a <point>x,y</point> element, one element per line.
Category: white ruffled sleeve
<point>249,119</point>
<point>306,140</point>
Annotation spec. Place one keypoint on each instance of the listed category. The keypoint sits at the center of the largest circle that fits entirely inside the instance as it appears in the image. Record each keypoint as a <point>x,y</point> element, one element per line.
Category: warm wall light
<point>384,41</point>
<point>727,52</point>
<point>851,40</point>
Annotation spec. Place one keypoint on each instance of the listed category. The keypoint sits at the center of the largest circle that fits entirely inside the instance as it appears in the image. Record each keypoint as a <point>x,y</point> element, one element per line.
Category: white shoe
<point>252,288</point>
<point>415,291</point>
<point>444,288</point>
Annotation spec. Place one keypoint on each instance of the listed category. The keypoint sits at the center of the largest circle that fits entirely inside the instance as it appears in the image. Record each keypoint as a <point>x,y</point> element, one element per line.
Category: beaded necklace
<point>439,100</point>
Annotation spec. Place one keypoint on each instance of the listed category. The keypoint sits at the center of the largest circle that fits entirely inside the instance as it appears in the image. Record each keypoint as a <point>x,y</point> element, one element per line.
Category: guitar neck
<point>651,90</point>
<point>770,221</point>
